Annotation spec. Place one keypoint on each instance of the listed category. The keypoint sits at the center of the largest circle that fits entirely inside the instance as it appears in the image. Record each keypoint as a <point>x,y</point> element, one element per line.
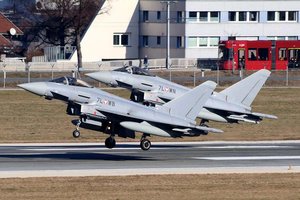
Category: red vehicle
<point>287,54</point>
<point>255,55</point>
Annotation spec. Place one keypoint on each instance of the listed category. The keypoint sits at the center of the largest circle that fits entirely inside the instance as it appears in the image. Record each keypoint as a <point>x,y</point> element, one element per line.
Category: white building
<point>129,29</point>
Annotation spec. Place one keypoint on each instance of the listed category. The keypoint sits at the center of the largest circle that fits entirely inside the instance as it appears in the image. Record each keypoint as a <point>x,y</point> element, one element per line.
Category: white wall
<point>238,29</point>
<point>116,16</point>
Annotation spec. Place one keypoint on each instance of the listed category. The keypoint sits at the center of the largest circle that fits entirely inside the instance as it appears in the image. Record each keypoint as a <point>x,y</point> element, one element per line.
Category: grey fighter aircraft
<point>231,105</point>
<point>99,110</point>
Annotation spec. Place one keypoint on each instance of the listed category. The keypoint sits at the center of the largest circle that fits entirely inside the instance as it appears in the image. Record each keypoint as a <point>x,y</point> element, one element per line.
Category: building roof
<point>4,42</point>
<point>6,25</point>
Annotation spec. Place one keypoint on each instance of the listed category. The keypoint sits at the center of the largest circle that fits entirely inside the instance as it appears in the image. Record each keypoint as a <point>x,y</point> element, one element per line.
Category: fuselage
<point>159,91</point>
<point>112,107</point>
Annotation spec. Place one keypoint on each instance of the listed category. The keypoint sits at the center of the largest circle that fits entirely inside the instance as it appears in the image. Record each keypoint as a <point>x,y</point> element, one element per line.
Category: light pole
<point>287,75</point>
<point>168,2</point>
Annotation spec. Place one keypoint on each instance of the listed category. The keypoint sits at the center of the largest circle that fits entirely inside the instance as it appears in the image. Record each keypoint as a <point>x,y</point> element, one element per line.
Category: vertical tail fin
<point>247,89</point>
<point>189,104</point>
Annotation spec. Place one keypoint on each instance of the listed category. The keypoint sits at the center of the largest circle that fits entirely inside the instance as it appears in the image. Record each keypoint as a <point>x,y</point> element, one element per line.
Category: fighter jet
<point>113,115</point>
<point>231,105</point>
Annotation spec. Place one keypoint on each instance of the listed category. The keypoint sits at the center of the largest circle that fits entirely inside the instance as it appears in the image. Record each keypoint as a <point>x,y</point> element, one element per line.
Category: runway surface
<point>89,159</point>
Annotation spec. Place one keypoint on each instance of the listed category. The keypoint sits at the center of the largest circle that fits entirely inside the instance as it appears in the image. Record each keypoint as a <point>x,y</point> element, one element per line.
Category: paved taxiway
<point>30,160</point>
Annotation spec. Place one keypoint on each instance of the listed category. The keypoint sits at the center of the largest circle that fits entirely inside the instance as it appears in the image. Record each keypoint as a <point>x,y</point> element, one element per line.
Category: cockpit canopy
<point>134,70</point>
<point>66,80</point>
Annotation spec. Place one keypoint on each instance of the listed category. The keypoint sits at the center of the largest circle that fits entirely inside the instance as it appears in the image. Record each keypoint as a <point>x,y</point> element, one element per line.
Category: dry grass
<point>28,118</point>
<point>189,187</point>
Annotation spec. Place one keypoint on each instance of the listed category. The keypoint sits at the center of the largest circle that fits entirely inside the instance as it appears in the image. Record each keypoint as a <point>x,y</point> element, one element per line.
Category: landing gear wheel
<point>76,133</point>
<point>145,144</point>
<point>110,142</point>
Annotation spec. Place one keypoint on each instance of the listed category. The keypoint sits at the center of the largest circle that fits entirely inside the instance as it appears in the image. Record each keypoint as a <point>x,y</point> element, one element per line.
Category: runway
<point>91,159</point>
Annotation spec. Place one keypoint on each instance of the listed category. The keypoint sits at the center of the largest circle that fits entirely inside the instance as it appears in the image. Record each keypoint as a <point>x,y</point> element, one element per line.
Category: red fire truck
<point>255,55</point>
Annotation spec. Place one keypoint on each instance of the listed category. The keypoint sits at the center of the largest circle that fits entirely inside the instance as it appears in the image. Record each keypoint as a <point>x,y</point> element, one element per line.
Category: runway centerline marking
<point>249,158</point>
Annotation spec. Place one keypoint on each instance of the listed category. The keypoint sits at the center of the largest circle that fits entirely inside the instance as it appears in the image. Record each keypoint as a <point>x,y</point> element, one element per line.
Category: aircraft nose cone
<point>38,88</point>
<point>103,77</point>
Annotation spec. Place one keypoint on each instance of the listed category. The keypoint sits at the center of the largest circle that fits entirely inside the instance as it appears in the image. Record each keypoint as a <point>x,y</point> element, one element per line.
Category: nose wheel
<point>110,142</point>
<point>145,144</point>
<point>76,133</point>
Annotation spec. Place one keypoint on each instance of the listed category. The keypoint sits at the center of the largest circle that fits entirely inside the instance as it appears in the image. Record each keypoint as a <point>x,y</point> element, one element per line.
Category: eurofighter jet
<point>102,111</point>
<point>231,105</point>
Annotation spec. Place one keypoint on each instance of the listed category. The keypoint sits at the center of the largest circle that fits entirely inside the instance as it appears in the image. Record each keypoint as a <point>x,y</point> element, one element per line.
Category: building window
<point>158,40</point>
<point>214,16</point>
<point>214,41</point>
<point>282,38</point>
<point>145,16</point>
<point>145,41</point>
<point>121,39</point>
<point>124,40</point>
<point>158,15</point>
<point>243,16</point>
<point>180,17</point>
<point>200,42</point>
<point>253,16</point>
<point>292,38</point>
<point>116,39</point>
<point>193,16</point>
<point>292,16</point>
<point>232,16</point>
<point>203,16</point>
<point>203,41</point>
<point>192,42</point>
<point>282,16</point>
<point>179,43</point>
<point>271,16</point>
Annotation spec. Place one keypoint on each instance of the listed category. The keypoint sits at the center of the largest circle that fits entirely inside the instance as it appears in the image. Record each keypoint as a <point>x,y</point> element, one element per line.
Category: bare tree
<point>63,22</point>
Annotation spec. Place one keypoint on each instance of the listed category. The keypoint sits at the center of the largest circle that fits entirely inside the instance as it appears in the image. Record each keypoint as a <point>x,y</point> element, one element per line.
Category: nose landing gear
<point>76,132</point>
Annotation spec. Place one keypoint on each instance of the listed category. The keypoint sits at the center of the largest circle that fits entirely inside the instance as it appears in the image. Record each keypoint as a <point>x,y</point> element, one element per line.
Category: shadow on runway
<point>86,152</point>
<point>77,156</point>
<point>101,146</point>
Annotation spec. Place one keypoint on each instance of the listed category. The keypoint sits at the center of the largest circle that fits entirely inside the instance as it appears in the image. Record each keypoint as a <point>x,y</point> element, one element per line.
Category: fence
<point>93,66</point>
<point>184,76</point>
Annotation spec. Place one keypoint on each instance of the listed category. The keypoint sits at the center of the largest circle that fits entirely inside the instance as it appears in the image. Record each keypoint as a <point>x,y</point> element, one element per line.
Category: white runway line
<point>249,158</point>
<point>243,147</point>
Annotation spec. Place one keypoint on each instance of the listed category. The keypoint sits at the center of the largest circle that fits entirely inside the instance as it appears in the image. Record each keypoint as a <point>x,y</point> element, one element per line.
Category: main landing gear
<point>145,143</point>
<point>110,142</point>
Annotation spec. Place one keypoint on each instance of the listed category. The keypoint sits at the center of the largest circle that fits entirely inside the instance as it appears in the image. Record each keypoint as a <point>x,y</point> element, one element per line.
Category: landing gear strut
<point>202,123</point>
<point>145,143</point>
<point>110,142</point>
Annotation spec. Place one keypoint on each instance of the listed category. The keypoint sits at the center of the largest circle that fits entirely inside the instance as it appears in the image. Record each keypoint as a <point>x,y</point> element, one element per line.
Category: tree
<point>63,22</point>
